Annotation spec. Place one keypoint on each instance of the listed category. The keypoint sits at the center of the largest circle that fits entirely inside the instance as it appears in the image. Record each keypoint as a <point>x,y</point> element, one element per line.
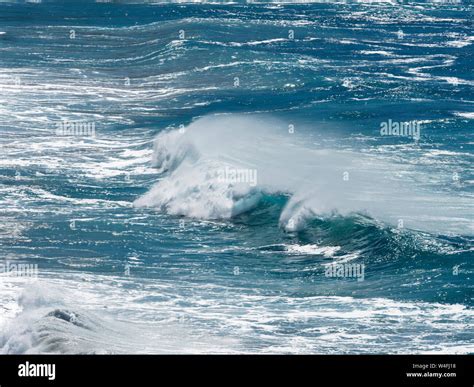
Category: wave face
<point>257,178</point>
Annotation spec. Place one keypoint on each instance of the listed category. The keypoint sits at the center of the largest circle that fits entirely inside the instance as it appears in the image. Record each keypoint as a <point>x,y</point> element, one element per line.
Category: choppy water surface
<point>124,128</point>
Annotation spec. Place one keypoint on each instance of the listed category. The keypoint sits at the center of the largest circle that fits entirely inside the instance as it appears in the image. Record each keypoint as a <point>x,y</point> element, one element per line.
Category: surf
<point>320,182</point>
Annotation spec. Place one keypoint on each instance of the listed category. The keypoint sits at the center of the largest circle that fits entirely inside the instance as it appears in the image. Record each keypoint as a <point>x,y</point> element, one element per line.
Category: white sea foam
<point>320,182</point>
<point>310,249</point>
<point>469,115</point>
<point>377,52</point>
<point>45,318</point>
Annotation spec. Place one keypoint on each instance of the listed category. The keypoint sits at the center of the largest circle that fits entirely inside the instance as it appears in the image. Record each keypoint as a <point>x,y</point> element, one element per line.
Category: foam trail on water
<point>206,170</point>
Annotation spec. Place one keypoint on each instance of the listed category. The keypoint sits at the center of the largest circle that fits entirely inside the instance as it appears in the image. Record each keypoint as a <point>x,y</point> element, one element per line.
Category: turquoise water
<point>121,126</point>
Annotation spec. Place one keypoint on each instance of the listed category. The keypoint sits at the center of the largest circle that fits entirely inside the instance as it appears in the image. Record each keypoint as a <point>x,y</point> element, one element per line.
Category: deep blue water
<point>142,248</point>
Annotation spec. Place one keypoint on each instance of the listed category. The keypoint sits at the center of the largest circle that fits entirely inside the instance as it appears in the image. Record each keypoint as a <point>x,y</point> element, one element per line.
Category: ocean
<point>236,177</point>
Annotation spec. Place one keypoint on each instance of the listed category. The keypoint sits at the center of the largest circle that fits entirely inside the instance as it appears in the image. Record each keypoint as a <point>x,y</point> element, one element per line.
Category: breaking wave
<point>221,166</point>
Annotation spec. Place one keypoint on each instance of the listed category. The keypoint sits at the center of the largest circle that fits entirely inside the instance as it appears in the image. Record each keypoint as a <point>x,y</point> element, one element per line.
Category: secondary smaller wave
<point>49,321</point>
